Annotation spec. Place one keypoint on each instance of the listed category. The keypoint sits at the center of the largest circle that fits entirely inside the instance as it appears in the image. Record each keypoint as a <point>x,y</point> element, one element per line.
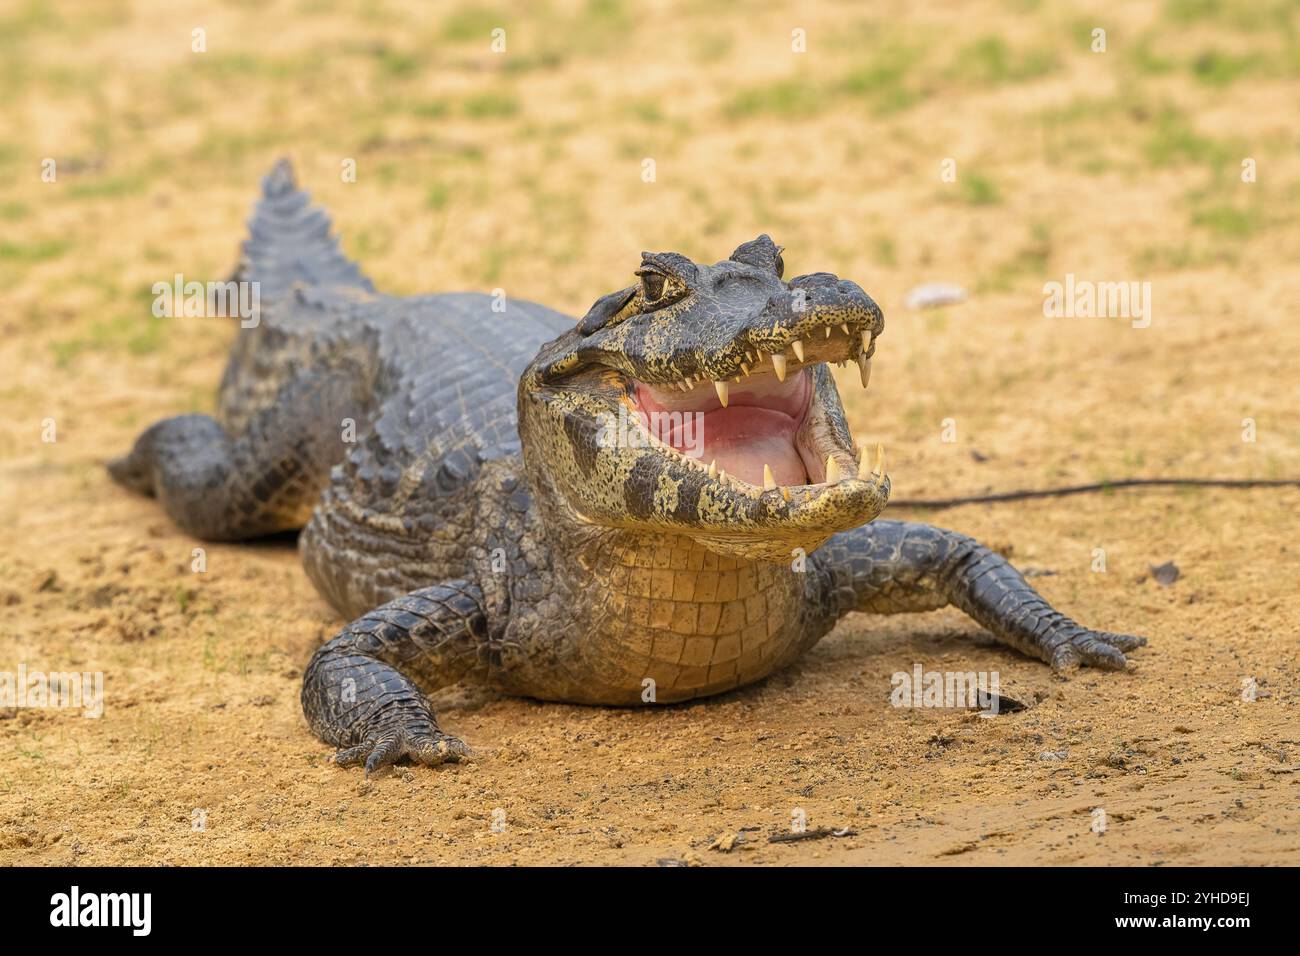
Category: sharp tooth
<point>797,345</point>
<point>844,327</point>
<point>863,471</point>
<point>828,331</point>
<point>721,388</point>
<point>864,368</point>
<point>880,460</point>
<point>713,468</point>
<point>744,368</point>
<point>768,481</point>
<point>866,341</point>
<point>752,359</point>
<point>832,471</point>
<point>785,492</point>
<point>722,477</point>
<point>778,363</point>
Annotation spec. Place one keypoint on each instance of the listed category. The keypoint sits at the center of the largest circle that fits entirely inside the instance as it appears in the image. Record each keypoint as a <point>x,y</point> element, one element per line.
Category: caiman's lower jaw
<point>765,430</point>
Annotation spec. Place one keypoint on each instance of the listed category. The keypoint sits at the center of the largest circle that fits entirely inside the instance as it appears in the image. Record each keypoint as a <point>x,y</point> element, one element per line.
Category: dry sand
<point>524,172</point>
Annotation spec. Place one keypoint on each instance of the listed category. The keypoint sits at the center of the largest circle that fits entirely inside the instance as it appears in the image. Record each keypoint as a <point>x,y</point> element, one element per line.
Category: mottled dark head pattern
<point>718,341</point>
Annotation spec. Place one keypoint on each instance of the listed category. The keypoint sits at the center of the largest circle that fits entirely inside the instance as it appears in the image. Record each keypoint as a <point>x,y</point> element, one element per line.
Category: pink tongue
<point>757,428</point>
<point>743,439</point>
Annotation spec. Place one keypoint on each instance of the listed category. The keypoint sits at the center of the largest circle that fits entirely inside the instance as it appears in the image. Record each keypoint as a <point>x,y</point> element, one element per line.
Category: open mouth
<point>764,428</point>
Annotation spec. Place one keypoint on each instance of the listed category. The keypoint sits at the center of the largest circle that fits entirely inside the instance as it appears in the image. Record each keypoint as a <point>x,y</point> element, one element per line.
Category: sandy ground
<point>524,171</point>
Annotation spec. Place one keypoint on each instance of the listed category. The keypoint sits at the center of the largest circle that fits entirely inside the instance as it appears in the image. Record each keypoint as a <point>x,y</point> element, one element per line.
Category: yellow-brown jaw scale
<point>700,403</point>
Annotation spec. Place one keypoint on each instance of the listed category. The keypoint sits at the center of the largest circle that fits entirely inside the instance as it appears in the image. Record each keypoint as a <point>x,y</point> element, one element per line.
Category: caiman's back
<point>397,510</point>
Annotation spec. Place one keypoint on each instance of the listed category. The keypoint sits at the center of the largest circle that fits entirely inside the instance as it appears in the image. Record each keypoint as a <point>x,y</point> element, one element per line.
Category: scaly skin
<point>451,466</point>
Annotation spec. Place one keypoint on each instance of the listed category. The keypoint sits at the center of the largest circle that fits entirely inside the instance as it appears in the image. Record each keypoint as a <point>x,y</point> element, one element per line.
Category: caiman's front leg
<point>890,567</point>
<point>360,690</point>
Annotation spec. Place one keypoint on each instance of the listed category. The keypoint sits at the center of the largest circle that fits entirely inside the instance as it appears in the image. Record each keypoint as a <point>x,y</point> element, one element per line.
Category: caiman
<point>657,502</point>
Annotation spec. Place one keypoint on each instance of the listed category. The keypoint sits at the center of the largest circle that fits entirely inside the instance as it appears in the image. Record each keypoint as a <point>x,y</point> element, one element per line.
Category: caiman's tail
<point>291,241</point>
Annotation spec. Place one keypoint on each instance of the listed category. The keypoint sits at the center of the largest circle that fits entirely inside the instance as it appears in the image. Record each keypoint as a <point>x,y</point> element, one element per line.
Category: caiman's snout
<point>828,292</point>
<point>804,317</point>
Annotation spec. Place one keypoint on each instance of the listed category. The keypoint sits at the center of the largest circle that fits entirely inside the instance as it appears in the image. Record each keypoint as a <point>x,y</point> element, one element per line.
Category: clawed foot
<point>419,741</point>
<point>1095,649</point>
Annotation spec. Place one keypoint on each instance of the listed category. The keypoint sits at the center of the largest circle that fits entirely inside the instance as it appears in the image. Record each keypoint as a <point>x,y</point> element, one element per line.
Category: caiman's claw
<point>1100,649</point>
<point>429,747</point>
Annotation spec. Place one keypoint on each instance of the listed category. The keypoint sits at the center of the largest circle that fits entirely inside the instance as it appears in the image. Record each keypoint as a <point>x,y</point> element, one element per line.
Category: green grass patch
<point>438,197</point>
<point>110,187</point>
<point>977,190</point>
<point>989,61</point>
<point>1143,58</point>
<point>547,59</point>
<point>10,156</point>
<point>1180,256</point>
<point>1174,140</point>
<point>32,17</point>
<point>26,253</point>
<point>1216,68</point>
<point>429,109</point>
<point>135,334</point>
<point>491,105</point>
<point>370,243</point>
<point>609,13</point>
<point>786,98</point>
<point>1230,222</point>
<point>397,64</point>
<point>710,46</point>
<point>883,82</point>
<point>883,251</point>
<point>1192,11</point>
<point>1244,15</point>
<point>474,23</point>
<point>647,111</point>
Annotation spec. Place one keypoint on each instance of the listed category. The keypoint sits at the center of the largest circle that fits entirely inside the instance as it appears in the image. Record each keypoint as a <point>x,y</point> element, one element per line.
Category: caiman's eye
<point>652,286</point>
